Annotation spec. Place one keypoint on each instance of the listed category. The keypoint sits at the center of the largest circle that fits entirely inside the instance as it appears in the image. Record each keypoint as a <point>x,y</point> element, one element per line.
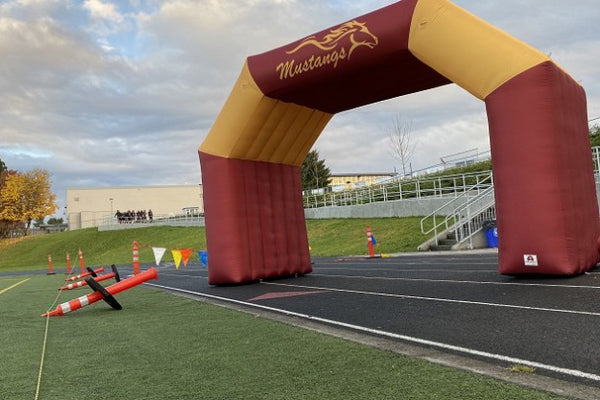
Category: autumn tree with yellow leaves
<point>26,196</point>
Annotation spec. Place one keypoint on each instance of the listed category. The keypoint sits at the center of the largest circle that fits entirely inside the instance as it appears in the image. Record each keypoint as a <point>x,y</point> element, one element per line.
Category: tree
<point>401,143</point>
<point>6,226</point>
<point>595,135</point>
<point>315,174</point>
<point>27,196</point>
<point>55,221</point>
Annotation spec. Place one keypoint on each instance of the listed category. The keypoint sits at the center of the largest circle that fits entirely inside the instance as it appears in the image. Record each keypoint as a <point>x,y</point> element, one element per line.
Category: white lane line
<point>465,350</point>
<point>456,281</point>
<point>410,270</point>
<point>440,299</point>
<point>186,275</point>
<point>459,262</point>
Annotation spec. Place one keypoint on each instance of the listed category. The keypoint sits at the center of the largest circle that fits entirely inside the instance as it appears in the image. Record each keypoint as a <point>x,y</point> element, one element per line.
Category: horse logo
<point>357,33</point>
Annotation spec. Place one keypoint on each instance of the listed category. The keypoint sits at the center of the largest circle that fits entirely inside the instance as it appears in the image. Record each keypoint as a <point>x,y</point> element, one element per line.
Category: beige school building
<point>91,207</point>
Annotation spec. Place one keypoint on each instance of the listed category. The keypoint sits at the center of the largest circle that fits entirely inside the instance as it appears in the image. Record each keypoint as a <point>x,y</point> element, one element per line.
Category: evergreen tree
<point>595,135</point>
<point>315,173</point>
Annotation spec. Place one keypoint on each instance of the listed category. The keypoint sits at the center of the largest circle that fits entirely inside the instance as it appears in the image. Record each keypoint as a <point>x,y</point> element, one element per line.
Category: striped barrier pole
<point>99,278</point>
<point>136,258</point>
<point>81,261</point>
<point>101,293</point>
<point>370,242</point>
<point>50,267</point>
<point>92,272</point>
<point>68,264</point>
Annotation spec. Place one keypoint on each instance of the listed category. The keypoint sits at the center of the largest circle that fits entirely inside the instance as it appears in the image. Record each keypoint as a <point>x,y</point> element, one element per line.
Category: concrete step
<point>442,247</point>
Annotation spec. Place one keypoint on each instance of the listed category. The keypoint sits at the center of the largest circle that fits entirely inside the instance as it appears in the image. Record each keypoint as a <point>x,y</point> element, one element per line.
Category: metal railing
<point>466,214</point>
<point>460,211</point>
<point>170,220</point>
<point>471,216</point>
<point>401,189</point>
<point>596,158</point>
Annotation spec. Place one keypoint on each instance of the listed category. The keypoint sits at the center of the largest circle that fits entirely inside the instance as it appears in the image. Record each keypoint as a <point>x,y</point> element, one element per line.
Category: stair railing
<point>446,216</point>
<point>471,216</point>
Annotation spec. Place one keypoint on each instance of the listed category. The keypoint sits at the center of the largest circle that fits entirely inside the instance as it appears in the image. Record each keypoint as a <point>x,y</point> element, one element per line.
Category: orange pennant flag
<point>176,257</point>
<point>186,253</point>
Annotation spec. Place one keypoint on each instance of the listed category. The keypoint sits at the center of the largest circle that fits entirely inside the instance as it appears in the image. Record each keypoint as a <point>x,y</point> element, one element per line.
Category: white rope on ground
<point>39,379</point>
<point>41,369</point>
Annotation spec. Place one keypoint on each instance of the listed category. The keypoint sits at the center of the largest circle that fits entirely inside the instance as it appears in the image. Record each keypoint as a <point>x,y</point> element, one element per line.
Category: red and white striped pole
<point>136,258</point>
<point>79,284</point>
<point>370,242</point>
<point>81,261</point>
<point>50,267</point>
<point>99,278</point>
<point>74,278</point>
<point>68,264</point>
<point>83,301</point>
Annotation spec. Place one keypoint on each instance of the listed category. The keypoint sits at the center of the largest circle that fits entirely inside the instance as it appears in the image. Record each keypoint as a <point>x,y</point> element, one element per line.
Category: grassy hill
<point>331,237</point>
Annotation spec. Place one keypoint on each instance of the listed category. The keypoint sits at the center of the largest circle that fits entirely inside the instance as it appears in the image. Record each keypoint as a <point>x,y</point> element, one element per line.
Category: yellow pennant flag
<point>176,257</point>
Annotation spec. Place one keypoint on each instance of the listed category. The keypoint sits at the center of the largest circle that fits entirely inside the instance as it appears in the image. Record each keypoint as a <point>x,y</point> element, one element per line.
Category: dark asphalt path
<point>453,302</point>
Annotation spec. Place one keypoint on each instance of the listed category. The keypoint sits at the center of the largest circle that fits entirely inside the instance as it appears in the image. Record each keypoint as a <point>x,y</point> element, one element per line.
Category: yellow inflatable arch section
<point>283,99</point>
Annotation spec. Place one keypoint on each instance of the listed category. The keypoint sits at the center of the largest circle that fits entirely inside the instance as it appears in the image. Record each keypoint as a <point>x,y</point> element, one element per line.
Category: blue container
<point>203,256</point>
<point>491,234</point>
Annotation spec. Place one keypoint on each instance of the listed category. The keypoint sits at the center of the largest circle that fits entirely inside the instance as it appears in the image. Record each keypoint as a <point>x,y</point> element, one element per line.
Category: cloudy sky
<point>111,93</point>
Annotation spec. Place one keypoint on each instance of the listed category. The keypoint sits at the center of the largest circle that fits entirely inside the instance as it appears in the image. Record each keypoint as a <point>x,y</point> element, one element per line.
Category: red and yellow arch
<point>284,98</point>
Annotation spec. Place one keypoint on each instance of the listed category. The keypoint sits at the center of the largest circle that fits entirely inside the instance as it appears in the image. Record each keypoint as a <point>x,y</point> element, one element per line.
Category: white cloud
<point>101,10</point>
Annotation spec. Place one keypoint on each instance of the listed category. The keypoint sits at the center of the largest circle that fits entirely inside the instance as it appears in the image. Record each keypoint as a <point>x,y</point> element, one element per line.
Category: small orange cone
<point>68,264</point>
<point>92,272</point>
<point>101,293</point>
<point>81,261</point>
<point>99,278</point>
<point>136,258</point>
<point>50,268</point>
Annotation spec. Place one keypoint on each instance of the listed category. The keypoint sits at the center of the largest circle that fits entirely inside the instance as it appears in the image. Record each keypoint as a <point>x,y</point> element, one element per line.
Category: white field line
<point>464,350</point>
<point>456,281</point>
<point>443,300</point>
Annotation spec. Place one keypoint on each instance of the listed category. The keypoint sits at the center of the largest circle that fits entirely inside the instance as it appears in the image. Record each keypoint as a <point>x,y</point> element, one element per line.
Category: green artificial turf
<point>165,347</point>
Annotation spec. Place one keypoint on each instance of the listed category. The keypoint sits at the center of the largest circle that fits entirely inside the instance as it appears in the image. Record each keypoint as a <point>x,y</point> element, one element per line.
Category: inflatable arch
<point>543,174</point>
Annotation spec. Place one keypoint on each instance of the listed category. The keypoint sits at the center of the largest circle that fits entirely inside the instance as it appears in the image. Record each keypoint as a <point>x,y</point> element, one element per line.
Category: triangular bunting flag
<point>176,257</point>
<point>159,252</point>
<point>186,253</point>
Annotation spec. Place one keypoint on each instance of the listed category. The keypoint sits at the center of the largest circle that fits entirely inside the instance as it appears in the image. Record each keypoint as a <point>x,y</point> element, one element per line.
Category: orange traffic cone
<point>99,278</point>
<point>50,268</point>
<point>68,264</point>
<point>92,272</point>
<point>81,261</point>
<point>136,258</point>
<point>101,293</point>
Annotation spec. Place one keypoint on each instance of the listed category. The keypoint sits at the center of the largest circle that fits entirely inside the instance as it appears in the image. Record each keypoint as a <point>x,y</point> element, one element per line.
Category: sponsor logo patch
<point>530,260</point>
